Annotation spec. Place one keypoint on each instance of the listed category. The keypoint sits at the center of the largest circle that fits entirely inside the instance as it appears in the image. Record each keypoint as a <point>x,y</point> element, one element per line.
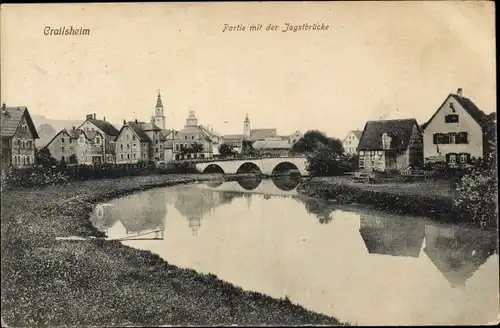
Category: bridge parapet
<point>231,159</point>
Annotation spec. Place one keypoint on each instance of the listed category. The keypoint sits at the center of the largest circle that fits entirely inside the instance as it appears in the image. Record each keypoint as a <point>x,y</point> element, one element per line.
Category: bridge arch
<point>248,167</point>
<point>286,168</point>
<point>213,168</point>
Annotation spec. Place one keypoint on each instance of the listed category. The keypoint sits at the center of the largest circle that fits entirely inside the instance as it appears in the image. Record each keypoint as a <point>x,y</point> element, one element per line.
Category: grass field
<point>103,283</point>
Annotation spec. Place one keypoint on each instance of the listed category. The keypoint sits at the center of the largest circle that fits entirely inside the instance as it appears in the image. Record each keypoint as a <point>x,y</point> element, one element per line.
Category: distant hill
<point>46,132</point>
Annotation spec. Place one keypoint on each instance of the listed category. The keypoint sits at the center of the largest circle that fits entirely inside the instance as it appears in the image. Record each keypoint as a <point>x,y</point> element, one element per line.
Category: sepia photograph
<point>249,164</point>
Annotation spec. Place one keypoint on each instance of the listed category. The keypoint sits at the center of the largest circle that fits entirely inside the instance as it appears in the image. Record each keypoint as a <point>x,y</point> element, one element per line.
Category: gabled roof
<point>399,130</point>
<point>468,105</point>
<point>149,126</point>
<point>105,126</point>
<point>272,144</point>
<point>136,127</point>
<point>10,119</point>
<point>262,133</point>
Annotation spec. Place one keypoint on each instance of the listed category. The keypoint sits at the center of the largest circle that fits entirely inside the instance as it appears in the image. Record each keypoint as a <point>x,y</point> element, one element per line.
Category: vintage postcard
<point>249,163</point>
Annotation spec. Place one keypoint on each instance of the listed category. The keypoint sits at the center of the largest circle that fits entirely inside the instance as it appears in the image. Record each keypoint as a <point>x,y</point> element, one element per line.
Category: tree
<point>72,159</point>
<point>44,158</point>
<point>313,140</point>
<point>324,162</point>
<point>247,148</point>
<point>226,150</point>
<point>196,147</point>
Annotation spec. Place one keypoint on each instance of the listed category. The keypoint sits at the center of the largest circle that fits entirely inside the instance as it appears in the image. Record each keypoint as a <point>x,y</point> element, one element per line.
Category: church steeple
<point>246,126</point>
<point>159,118</point>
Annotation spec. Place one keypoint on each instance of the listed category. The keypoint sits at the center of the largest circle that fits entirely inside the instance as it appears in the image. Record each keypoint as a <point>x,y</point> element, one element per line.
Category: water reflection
<point>287,183</point>
<point>364,267</point>
<point>136,215</point>
<point>457,252</point>
<point>389,235</point>
<point>250,183</point>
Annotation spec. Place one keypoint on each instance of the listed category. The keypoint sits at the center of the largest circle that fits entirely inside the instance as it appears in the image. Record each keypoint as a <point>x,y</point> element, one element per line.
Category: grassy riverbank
<point>103,283</point>
<point>433,199</point>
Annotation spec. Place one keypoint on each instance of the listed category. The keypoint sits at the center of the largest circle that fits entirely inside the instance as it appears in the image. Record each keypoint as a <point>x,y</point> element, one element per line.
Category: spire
<point>158,101</point>
<point>246,118</point>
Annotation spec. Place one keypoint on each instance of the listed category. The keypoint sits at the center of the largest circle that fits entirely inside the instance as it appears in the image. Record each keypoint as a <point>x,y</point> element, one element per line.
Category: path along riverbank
<point>104,283</point>
<point>430,199</point>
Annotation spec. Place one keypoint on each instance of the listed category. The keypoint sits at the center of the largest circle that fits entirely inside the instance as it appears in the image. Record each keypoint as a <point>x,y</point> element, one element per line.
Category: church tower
<point>246,127</point>
<point>159,117</point>
<point>191,120</point>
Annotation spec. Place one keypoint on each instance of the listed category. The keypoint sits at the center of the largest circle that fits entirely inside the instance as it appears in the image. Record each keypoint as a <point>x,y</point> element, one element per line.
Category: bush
<point>324,162</point>
<point>477,195</point>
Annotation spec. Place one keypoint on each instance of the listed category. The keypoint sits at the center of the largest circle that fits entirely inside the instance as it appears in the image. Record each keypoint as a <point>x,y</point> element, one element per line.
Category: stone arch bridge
<point>265,165</point>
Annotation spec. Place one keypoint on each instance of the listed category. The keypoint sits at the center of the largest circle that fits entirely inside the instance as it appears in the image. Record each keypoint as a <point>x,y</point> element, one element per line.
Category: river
<point>359,265</point>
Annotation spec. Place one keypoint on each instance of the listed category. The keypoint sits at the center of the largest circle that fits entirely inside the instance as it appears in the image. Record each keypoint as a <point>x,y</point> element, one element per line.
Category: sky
<point>377,60</point>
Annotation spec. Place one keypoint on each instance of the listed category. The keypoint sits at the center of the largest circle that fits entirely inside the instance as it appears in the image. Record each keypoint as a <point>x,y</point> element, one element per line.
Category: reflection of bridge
<point>278,186</point>
<point>265,165</point>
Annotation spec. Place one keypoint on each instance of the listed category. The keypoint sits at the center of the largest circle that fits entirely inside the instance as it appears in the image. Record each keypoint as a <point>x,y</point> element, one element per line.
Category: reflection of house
<point>457,132</point>
<point>392,236</point>
<point>137,213</point>
<point>193,134</point>
<point>390,145</point>
<point>194,203</point>
<point>18,137</point>
<point>458,252</point>
<point>351,141</point>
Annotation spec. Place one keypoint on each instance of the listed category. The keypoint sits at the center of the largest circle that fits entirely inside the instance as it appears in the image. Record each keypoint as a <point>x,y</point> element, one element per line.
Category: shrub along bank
<point>104,283</point>
<point>432,204</point>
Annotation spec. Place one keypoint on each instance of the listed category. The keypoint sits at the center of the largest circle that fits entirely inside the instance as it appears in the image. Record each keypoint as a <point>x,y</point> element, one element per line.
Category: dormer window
<point>386,141</point>
<point>452,118</point>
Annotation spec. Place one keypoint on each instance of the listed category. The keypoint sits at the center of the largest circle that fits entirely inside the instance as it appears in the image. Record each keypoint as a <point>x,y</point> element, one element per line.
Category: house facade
<point>391,145</point>
<point>196,141</point>
<point>457,133</point>
<point>351,142</point>
<point>18,137</point>
<point>106,129</point>
<point>132,144</point>
<point>84,146</point>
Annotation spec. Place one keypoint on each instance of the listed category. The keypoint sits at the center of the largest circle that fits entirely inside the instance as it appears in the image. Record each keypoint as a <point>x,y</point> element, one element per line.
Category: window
<point>62,140</point>
<point>134,145</point>
<point>121,156</point>
<point>452,118</point>
<point>452,159</point>
<point>133,137</point>
<point>437,138</point>
<point>361,163</point>
<point>62,149</point>
<point>128,137</point>
<point>176,146</point>
<point>128,146</point>
<point>28,159</point>
<point>128,156</point>
<point>156,141</point>
<point>144,155</point>
<point>361,153</point>
<point>386,141</point>
<point>156,149</point>
<point>451,137</point>
<point>24,160</point>
<point>98,140</point>
<point>464,158</point>
<point>134,155</point>
<point>70,140</point>
<point>185,137</point>
<point>192,137</point>
<point>462,138</point>
<point>121,146</point>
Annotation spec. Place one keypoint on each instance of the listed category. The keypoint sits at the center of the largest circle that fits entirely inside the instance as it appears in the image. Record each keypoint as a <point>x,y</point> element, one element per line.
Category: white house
<point>457,133</point>
<point>351,141</point>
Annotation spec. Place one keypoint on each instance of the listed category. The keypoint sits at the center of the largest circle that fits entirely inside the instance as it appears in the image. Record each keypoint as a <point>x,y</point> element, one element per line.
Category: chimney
<point>4,107</point>
<point>104,118</point>
<point>459,92</point>
<point>88,117</point>
<point>135,121</point>
<point>124,122</point>
<point>73,127</point>
<point>94,116</point>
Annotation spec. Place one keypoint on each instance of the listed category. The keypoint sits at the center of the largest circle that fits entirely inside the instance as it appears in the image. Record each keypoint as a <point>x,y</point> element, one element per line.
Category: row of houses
<point>457,133</point>
<point>97,141</point>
